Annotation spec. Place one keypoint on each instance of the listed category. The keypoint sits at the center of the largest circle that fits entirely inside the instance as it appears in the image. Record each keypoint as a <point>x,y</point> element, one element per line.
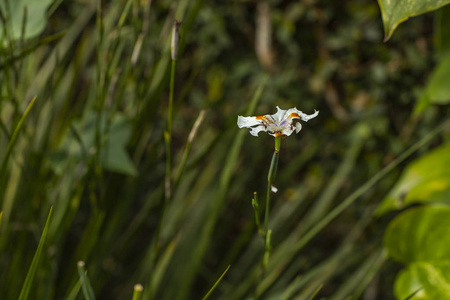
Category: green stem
<point>255,205</point>
<point>270,180</point>
<point>168,135</point>
<point>137,293</point>
<point>167,183</point>
<point>267,233</point>
<point>172,85</point>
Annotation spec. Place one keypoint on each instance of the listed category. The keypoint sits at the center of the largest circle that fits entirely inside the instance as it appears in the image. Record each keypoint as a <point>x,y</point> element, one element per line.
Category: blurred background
<point>92,145</point>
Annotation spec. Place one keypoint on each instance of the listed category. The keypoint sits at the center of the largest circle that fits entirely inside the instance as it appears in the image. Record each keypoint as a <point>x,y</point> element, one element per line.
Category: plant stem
<point>267,233</point>
<point>168,135</point>
<point>270,180</point>
<point>167,182</point>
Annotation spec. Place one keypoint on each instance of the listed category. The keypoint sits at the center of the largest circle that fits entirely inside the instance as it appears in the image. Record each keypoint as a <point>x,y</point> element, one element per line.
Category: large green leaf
<point>419,234</point>
<point>113,154</point>
<point>395,12</point>
<point>431,280</point>
<point>426,179</point>
<point>35,19</point>
<point>419,238</point>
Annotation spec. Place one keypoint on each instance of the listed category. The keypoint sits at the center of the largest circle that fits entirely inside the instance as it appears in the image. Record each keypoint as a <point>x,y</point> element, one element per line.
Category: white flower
<point>284,122</point>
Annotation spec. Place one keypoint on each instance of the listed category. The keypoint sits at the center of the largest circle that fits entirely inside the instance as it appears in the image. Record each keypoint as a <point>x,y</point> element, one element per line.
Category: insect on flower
<point>284,122</point>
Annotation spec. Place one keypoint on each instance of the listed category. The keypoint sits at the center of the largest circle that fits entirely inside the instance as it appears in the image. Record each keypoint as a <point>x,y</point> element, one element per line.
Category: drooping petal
<point>257,129</point>
<point>247,121</point>
<point>298,127</point>
<point>287,130</point>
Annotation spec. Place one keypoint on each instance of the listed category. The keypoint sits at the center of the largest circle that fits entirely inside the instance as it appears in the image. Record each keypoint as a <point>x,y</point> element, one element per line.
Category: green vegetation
<point>124,175</point>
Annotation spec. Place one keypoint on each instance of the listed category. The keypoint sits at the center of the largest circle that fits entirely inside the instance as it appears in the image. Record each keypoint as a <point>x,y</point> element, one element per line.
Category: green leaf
<point>438,85</point>
<point>437,90</point>
<point>395,12</point>
<point>113,154</point>
<point>419,234</point>
<point>442,30</point>
<point>34,264</point>
<point>427,280</point>
<point>426,179</point>
<point>35,18</point>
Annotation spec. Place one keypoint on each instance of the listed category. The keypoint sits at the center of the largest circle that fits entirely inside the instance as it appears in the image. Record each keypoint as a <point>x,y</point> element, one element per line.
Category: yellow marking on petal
<point>277,134</point>
<point>259,117</point>
<point>294,115</point>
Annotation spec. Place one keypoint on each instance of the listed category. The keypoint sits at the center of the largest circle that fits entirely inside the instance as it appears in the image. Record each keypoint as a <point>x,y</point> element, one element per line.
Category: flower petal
<point>306,117</point>
<point>247,121</point>
<point>288,130</point>
<point>298,127</point>
<point>257,129</point>
<point>279,116</point>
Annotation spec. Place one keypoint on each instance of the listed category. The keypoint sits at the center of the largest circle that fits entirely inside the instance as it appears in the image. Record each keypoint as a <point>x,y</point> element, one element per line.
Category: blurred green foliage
<point>92,146</point>
<point>425,180</point>
<point>419,239</point>
<point>23,18</point>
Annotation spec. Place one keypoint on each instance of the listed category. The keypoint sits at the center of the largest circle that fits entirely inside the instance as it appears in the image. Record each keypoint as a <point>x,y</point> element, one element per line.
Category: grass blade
<point>215,284</point>
<point>161,268</point>
<point>85,283</point>
<point>13,139</point>
<point>74,292</point>
<point>316,292</point>
<point>34,264</point>
<point>413,294</point>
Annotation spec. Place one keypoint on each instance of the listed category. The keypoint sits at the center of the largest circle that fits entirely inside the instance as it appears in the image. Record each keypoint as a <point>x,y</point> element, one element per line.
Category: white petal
<point>279,116</point>
<point>257,129</point>
<point>306,117</point>
<point>287,131</point>
<point>298,127</point>
<point>274,189</point>
<point>293,110</point>
<point>247,121</point>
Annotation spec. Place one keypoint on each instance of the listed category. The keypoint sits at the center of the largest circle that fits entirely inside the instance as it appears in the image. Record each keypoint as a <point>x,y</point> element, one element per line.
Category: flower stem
<point>270,179</point>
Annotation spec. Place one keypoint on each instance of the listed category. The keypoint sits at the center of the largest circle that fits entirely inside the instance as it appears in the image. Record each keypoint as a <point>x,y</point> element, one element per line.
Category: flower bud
<point>175,39</point>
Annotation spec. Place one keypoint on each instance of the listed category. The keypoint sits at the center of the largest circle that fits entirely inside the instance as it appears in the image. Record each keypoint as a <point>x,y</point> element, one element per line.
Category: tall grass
<point>83,111</point>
